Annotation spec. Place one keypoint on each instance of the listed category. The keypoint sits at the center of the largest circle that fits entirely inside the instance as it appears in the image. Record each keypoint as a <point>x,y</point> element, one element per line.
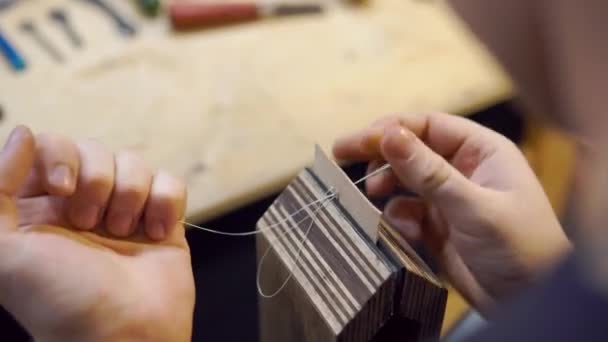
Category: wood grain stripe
<point>367,259</point>
<point>302,275</point>
<point>339,265</point>
<point>330,216</point>
<point>335,285</point>
<point>341,251</point>
<point>314,272</point>
<point>360,242</point>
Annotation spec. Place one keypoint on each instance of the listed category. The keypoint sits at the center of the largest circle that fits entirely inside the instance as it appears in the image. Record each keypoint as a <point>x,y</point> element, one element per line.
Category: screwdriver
<point>187,15</point>
<point>124,27</point>
<point>14,58</point>
<point>29,28</point>
<point>62,19</point>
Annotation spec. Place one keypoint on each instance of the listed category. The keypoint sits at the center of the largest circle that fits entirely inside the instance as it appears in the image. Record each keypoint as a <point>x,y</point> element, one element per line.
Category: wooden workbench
<point>236,110</point>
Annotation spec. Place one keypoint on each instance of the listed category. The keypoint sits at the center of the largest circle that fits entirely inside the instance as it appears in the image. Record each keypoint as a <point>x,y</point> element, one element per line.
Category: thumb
<point>16,161</point>
<point>422,170</point>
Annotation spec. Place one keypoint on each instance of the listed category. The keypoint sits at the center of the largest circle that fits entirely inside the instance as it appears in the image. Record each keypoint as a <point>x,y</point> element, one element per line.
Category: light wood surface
<point>236,111</point>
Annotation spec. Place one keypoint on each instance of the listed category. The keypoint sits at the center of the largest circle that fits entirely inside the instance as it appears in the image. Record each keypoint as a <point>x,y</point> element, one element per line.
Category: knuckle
<point>130,163</point>
<point>434,174</point>
<point>97,180</point>
<point>52,146</point>
<point>168,196</point>
<point>132,192</point>
<point>90,143</point>
<point>45,138</point>
<point>129,156</point>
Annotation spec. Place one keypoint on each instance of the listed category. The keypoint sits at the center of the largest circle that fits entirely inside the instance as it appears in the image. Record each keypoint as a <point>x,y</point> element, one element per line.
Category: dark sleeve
<point>562,308</point>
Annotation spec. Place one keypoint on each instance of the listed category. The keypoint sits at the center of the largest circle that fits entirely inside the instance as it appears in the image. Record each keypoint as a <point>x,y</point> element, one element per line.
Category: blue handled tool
<point>13,56</point>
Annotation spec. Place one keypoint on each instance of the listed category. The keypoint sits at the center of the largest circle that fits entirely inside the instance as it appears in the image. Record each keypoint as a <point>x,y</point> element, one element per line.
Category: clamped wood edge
<point>349,196</point>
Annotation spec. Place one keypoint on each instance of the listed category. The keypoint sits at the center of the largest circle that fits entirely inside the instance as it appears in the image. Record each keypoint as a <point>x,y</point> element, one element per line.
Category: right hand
<point>481,210</point>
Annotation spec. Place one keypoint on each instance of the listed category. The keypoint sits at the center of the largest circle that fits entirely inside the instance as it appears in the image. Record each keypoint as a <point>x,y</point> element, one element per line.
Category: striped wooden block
<point>353,277</point>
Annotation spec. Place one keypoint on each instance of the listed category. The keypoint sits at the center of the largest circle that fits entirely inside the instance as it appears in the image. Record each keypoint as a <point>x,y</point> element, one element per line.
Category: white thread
<point>372,174</point>
<point>330,194</point>
<point>296,259</point>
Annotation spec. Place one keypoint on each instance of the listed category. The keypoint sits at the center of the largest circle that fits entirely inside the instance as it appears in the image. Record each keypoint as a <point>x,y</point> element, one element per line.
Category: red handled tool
<point>187,15</point>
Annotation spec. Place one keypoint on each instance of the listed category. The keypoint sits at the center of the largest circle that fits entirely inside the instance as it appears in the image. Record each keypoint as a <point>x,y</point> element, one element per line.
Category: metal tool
<point>189,15</point>
<point>60,17</point>
<point>13,57</point>
<point>31,29</point>
<point>123,25</point>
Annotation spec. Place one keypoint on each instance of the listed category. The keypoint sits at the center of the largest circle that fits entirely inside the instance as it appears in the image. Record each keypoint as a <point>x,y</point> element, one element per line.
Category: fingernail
<point>156,230</point>
<point>85,216</point>
<point>371,141</point>
<point>16,135</point>
<point>120,224</point>
<point>397,143</point>
<point>62,177</point>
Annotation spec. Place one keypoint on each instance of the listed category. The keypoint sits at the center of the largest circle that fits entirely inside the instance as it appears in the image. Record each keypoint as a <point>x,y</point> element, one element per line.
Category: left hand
<point>90,244</point>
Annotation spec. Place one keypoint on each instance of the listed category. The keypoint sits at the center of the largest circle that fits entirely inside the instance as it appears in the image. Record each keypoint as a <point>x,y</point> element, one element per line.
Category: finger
<point>381,184</point>
<point>166,205</point>
<point>364,144</point>
<point>361,146</point>
<point>406,214</point>
<point>443,133</point>
<point>58,164</point>
<point>131,189</point>
<point>95,183</point>
<point>33,186</point>
<point>49,210</point>
<point>421,169</point>
<point>16,161</point>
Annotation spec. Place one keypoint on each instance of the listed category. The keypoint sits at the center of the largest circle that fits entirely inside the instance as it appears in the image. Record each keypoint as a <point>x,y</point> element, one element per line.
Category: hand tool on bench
<point>13,57</point>
<point>192,15</point>
<point>124,27</point>
<point>60,17</point>
<point>29,28</point>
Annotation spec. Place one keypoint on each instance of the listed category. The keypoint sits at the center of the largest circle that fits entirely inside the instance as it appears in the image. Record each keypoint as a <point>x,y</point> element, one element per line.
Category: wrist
<point>166,330</point>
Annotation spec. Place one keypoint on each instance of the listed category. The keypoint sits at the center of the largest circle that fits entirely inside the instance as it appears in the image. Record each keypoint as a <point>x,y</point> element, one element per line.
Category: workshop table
<point>236,110</point>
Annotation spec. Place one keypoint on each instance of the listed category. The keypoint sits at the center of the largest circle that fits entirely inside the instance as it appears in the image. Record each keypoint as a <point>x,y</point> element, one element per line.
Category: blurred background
<point>233,95</point>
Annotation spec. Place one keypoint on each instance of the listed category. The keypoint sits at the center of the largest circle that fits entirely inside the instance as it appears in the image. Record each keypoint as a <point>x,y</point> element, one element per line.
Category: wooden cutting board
<point>236,110</point>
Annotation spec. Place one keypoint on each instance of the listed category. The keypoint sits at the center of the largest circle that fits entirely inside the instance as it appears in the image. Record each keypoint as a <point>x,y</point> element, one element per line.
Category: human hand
<point>481,210</point>
<point>90,244</point>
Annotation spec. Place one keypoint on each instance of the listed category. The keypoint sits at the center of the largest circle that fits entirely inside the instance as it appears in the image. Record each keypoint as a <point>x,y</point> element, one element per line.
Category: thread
<point>373,173</point>
<point>272,226</point>
<point>297,257</point>
<point>322,202</point>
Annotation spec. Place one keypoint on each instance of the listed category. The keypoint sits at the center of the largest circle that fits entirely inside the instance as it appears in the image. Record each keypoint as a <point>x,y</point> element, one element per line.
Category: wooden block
<point>344,286</point>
